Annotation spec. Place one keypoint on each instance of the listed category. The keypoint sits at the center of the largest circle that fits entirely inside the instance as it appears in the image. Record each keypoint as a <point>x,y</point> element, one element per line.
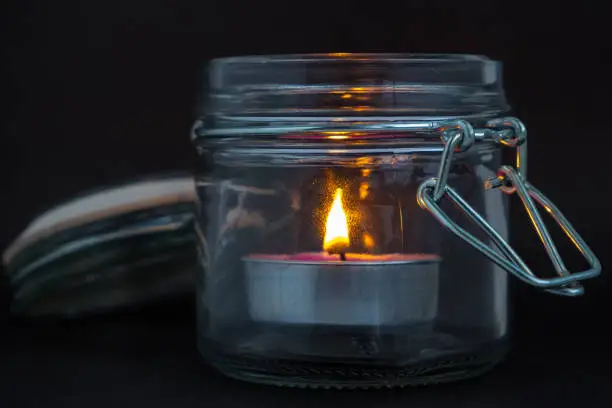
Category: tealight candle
<point>336,287</point>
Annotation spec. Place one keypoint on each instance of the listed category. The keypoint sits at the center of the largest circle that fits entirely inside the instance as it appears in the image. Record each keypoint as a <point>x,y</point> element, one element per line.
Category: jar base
<point>354,375</point>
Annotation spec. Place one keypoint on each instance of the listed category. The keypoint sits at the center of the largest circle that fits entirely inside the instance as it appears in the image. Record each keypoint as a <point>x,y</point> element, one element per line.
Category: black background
<point>100,91</point>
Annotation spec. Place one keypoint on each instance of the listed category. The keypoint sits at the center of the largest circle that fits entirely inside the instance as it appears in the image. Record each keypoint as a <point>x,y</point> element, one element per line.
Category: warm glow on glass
<point>364,189</point>
<point>337,135</point>
<point>368,241</point>
<point>362,162</point>
<point>336,227</point>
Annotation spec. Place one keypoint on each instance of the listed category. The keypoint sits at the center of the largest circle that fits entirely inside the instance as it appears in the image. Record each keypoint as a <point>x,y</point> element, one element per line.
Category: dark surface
<point>149,358</point>
<point>100,91</point>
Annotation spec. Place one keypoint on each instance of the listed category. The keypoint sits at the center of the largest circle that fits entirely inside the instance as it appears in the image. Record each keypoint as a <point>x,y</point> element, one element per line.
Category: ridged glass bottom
<point>319,375</point>
<point>344,360</point>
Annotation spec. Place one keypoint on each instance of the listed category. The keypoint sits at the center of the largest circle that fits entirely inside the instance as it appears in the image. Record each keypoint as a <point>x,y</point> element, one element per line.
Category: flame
<point>336,227</point>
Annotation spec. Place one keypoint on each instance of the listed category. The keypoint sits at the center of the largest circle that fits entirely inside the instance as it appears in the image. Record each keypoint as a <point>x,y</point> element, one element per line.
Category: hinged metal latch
<point>460,135</point>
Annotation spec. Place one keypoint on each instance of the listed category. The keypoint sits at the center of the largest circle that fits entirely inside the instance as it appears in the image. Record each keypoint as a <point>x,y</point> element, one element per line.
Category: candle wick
<point>342,256</point>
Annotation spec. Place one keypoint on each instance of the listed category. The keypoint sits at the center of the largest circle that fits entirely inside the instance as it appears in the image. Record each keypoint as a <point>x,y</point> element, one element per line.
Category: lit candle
<point>337,287</point>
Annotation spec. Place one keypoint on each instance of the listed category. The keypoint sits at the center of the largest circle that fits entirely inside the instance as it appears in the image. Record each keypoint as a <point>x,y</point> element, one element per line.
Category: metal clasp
<point>510,132</point>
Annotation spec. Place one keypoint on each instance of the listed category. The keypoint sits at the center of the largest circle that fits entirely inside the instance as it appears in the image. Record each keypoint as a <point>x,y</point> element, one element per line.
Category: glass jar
<point>327,183</point>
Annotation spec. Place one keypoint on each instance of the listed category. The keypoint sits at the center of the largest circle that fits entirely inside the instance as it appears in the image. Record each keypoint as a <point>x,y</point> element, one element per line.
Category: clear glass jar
<point>318,267</point>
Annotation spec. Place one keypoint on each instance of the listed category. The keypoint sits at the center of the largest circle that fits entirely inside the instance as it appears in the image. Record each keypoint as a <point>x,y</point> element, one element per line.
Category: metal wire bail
<point>508,132</point>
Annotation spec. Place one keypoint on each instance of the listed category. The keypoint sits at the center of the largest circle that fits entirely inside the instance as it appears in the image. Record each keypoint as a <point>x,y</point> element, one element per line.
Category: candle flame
<point>336,228</point>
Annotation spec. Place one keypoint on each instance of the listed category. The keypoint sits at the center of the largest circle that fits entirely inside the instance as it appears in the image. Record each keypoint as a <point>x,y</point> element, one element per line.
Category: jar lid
<point>120,245</point>
<point>247,91</point>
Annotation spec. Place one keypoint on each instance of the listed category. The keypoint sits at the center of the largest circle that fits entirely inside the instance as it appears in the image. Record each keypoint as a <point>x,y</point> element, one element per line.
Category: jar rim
<point>357,56</point>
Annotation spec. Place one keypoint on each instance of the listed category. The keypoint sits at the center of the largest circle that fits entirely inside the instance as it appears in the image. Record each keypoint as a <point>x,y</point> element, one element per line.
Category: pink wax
<point>324,257</point>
